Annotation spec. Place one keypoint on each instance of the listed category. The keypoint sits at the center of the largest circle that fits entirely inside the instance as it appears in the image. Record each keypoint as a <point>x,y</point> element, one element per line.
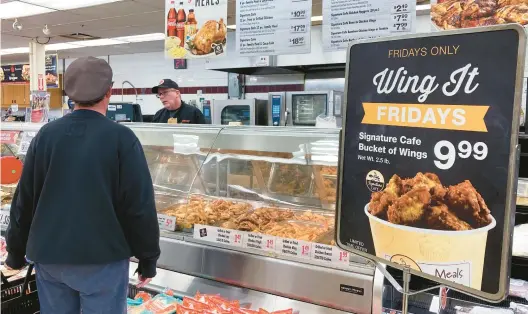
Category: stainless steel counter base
<point>186,285</point>
<point>333,288</point>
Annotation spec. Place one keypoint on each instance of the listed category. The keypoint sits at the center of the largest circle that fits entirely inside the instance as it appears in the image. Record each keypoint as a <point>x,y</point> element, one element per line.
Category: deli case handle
<point>286,113</point>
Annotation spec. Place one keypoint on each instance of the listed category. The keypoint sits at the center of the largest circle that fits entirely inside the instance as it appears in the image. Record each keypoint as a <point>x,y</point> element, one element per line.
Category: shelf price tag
<point>166,222</point>
<point>297,41</point>
<point>4,218</point>
<point>259,241</point>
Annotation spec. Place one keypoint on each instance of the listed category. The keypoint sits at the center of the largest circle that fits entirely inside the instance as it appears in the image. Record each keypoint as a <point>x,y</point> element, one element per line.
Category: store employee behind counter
<point>175,111</point>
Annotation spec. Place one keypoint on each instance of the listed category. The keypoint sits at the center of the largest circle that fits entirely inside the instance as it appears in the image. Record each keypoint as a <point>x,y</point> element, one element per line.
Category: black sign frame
<point>512,170</point>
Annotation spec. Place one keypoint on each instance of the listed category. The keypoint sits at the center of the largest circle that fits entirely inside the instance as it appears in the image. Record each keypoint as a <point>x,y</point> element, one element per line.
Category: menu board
<point>19,73</point>
<point>14,74</point>
<point>428,148</point>
<point>195,29</point>
<point>52,75</point>
<point>345,21</point>
<point>272,28</point>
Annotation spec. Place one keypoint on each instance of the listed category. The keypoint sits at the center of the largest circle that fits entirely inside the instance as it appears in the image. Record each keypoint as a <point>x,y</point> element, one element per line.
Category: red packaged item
<point>222,303</point>
<point>194,304</point>
<point>143,296</point>
<point>263,311</point>
<point>288,311</point>
<point>180,309</point>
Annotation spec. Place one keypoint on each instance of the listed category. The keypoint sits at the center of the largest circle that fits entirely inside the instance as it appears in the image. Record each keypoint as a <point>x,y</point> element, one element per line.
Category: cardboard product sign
<point>428,154</point>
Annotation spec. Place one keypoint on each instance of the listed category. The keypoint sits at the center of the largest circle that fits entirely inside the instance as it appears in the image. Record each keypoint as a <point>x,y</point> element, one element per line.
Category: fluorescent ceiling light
<point>62,46</point>
<point>141,38</point>
<point>69,4</point>
<point>14,51</point>
<point>15,9</point>
<point>98,42</point>
<point>92,43</point>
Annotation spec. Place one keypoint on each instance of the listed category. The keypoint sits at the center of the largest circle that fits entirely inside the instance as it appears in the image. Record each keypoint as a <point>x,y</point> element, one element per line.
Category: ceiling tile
<point>157,4</point>
<point>114,9</point>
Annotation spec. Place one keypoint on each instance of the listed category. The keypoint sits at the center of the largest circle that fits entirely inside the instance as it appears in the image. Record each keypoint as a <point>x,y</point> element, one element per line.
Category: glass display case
<point>14,141</point>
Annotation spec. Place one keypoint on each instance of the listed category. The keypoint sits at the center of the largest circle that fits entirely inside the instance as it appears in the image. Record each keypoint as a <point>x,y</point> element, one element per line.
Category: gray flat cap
<point>87,79</point>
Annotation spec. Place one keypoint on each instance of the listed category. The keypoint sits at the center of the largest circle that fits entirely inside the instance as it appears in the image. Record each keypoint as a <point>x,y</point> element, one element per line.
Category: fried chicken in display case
<point>455,14</point>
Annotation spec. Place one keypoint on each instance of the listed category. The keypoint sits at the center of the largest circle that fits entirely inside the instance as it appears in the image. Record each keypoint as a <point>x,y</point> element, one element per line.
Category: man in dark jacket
<point>84,204</point>
<point>175,110</point>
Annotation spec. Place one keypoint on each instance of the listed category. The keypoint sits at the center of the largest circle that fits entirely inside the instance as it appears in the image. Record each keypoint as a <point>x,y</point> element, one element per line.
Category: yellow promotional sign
<point>445,117</point>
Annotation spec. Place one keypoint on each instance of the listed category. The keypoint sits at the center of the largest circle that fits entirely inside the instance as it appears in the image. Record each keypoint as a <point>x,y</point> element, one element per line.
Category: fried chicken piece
<point>441,218</point>
<point>428,180</point>
<point>394,187</point>
<point>503,3</point>
<point>513,14</point>
<point>379,204</point>
<point>464,200</point>
<point>486,21</point>
<point>448,16</point>
<point>475,9</point>
<point>409,209</point>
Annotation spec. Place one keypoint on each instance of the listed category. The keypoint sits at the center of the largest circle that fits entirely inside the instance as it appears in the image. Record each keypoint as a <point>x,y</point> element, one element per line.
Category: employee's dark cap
<point>87,79</point>
<point>165,83</point>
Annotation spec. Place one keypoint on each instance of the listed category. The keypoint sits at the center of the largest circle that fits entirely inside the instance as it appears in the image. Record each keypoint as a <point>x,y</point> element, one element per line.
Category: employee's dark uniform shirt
<point>185,114</point>
<point>85,197</point>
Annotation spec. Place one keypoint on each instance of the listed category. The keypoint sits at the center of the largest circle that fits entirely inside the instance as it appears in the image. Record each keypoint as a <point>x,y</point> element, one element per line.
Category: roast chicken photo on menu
<point>422,223</point>
<point>212,33</point>
<point>454,14</point>
<point>424,202</point>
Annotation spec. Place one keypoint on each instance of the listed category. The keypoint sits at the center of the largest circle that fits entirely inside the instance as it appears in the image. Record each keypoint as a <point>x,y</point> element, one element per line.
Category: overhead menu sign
<point>429,150</point>
<point>345,21</point>
<point>273,28</point>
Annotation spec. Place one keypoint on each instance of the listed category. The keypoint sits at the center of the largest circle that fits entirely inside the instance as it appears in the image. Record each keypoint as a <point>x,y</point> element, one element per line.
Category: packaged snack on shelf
<point>522,192</point>
<point>160,304</point>
<point>194,304</point>
<point>180,309</point>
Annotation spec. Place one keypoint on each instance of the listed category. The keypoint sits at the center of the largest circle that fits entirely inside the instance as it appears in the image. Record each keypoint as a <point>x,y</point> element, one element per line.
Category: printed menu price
<point>267,28</point>
<point>346,21</point>
<point>429,149</point>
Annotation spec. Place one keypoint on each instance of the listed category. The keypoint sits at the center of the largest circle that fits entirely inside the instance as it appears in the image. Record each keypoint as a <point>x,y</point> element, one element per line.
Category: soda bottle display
<point>180,24</point>
<point>190,25</point>
<point>172,21</point>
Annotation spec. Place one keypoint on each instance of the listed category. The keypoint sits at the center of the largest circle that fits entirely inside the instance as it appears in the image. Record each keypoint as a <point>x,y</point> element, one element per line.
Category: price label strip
<point>269,244</point>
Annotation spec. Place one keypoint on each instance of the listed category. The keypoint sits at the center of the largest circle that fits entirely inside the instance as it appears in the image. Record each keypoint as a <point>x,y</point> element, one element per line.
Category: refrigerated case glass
<point>306,108</point>
<point>15,140</point>
<point>236,113</point>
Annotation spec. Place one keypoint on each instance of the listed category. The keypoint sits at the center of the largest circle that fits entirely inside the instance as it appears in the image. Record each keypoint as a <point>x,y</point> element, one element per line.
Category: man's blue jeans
<point>96,289</point>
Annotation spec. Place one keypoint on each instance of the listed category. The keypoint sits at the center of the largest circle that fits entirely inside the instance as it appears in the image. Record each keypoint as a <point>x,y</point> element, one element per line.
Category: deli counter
<point>247,212</point>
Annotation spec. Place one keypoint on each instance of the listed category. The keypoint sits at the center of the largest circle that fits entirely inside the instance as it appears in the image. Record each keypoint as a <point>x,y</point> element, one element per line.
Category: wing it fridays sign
<point>428,148</point>
<point>195,28</point>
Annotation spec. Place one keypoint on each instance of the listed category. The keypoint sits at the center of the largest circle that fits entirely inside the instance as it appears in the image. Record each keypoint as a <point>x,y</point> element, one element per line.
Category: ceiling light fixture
<point>46,30</point>
<point>92,43</point>
<point>17,26</point>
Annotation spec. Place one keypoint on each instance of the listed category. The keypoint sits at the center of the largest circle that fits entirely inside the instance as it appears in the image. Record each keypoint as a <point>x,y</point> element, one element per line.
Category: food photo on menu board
<point>455,14</point>
<point>195,28</point>
<point>428,154</point>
